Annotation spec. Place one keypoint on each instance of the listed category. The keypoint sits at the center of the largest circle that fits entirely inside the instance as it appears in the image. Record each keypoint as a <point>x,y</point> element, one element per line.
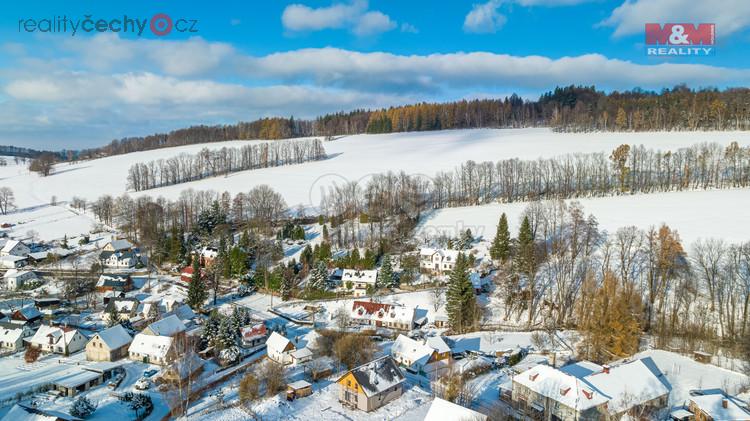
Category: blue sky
<point>305,58</point>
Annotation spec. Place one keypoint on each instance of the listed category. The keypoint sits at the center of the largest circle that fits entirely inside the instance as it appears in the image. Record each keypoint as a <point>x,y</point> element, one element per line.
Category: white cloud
<point>551,3</point>
<point>353,16</point>
<point>484,18</point>
<point>409,28</point>
<point>630,17</point>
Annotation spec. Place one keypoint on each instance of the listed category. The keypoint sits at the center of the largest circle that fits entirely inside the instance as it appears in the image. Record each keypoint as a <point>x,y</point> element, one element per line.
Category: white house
<point>12,339</point>
<point>169,326</point>
<point>15,279</point>
<point>15,248</point>
<point>360,280</point>
<point>412,353</point>
<point>58,340</point>
<point>13,262</point>
<point>301,355</point>
<point>119,259</point>
<point>395,316</point>
<point>437,261</point>
<point>152,349</point>
<point>279,348</point>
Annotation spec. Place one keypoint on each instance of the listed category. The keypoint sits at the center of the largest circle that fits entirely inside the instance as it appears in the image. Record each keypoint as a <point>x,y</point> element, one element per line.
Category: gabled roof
<point>122,305</point>
<point>11,244</point>
<point>438,344</point>
<point>415,351</point>
<point>21,412</point>
<point>11,335</point>
<point>28,313</point>
<point>168,326</point>
<point>252,332</point>
<point>444,410</point>
<point>713,406</point>
<point>382,312</point>
<point>156,346</point>
<point>301,353</point>
<point>60,335</point>
<point>14,273</point>
<point>183,312</point>
<point>115,337</point>
<point>113,280</point>
<point>277,342</point>
<point>378,375</point>
<point>445,254</point>
<point>622,387</point>
<point>122,244</point>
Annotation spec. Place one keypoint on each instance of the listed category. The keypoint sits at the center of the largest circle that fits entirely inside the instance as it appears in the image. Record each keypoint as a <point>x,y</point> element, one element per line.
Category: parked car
<point>142,384</point>
<point>150,373</point>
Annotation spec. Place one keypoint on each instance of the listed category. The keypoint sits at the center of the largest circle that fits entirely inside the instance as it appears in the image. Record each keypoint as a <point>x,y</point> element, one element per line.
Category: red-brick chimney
<point>605,369</point>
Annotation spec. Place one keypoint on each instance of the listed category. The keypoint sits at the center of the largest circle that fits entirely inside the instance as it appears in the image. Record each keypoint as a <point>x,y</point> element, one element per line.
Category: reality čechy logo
<point>159,24</point>
<point>680,39</point>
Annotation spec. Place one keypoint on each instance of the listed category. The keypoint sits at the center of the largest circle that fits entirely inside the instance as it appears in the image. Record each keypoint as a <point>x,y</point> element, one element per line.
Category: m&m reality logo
<point>680,39</point>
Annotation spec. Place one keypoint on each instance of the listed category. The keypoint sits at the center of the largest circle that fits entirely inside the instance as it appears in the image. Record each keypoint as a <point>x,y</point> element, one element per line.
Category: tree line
<point>210,163</point>
<point>570,108</point>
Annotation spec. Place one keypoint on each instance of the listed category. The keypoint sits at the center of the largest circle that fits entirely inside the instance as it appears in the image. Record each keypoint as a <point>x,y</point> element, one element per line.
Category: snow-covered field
<point>352,158</point>
<point>695,214</point>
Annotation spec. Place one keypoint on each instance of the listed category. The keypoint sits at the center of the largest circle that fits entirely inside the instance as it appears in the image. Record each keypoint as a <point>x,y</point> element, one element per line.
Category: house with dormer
<point>437,261</point>
<point>394,316</point>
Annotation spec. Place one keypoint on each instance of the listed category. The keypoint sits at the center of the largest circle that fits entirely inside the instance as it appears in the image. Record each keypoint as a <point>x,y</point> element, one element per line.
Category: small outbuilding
<point>298,389</point>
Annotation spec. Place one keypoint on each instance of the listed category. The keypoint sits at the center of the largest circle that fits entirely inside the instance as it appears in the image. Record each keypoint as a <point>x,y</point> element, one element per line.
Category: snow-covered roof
<point>183,312</point>
<point>445,254</point>
<point>20,412</point>
<point>438,344</point>
<point>10,245</point>
<point>14,273</point>
<point>299,384</point>
<point>252,332</point>
<point>277,342</point>
<point>29,313</point>
<point>383,312</point>
<point>622,387</point>
<point>120,244</point>
<point>12,258</point>
<point>11,335</point>
<point>168,326</point>
<point>713,406</point>
<point>115,337</point>
<point>414,351</point>
<point>444,410</point>
<point>58,334</point>
<point>364,276</point>
<point>113,279</point>
<point>301,353</point>
<point>77,378</point>
<point>378,375</point>
<point>157,346</point>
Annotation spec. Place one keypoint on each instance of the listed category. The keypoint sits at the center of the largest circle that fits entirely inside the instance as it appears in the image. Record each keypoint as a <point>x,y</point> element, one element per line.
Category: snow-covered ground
<point>695,214</point>
<point>351,158</point>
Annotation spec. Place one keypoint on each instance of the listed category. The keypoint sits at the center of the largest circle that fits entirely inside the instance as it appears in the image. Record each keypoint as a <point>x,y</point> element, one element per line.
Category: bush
<point>32,354</point>
<point>249,389</point>
<point>82,407</point>
<point>273,375</point>
<point>354,349</point>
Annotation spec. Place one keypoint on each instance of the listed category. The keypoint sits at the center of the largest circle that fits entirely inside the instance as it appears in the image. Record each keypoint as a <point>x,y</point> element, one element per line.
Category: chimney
<point>605,369</point>
<point>725,403</point>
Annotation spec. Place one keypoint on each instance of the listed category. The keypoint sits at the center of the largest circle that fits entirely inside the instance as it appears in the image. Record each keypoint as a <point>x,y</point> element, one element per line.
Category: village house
<point>119,259</point>
<point>208,255</point>
<point>588,391</point>
<point>109,345</point>
<point>301,355</point>
<point>717,406</point>
<point>125,307</point>
<point>360,280</point>
<point>12,339</point>
<point>371,385</point>
<point>152,349</point>
<point>421,356</point>
<point>437,261</point>
<point>26,316</point>
<point>84,378</point>
<point>15,248</point>
<point>15,279</point>
<point>13,262</point>
<point>186,275</point>
<point>182,370</point>
<point>253,336</point>
<point>393,316</point>
<point>279,348</point>
<point>23,412</point>
<point>114,282</point>
<point>440,410</point>
<point>58,340</point>
<point>170,326</point>
<point>156,309</point>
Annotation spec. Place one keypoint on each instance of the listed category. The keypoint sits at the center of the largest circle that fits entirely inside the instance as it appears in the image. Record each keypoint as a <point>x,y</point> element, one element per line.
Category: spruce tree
<point>460,300</point>
<point>318,276</point>
<point>525,263</point>
<point>500,249</point>
<point>197,292</point>
<point>385,276</point>
<point>113,318</point>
